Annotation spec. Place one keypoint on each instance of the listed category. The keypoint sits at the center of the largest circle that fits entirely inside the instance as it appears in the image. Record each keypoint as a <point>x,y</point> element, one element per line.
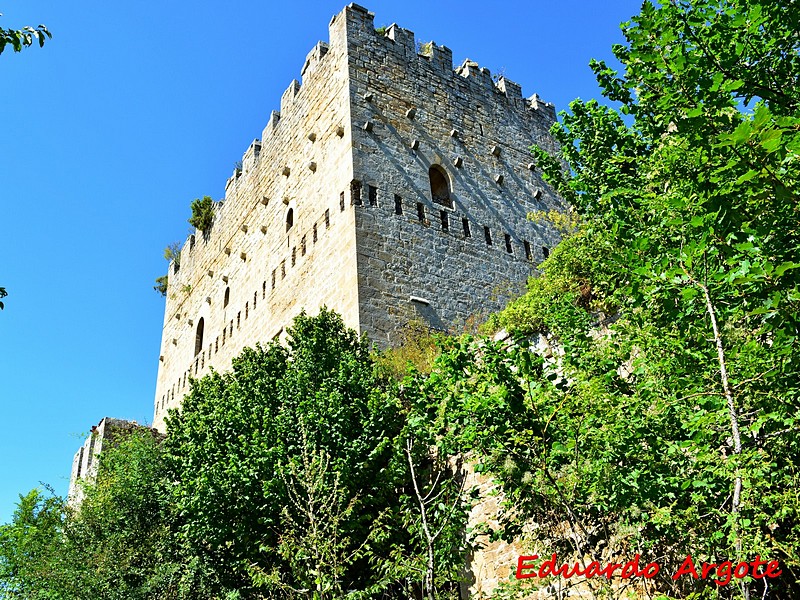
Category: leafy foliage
<point>172,254</point>
<point>25,550</point>
<point>116,546</point>
<point>161,285</point>
<point>202,213</point>
<point>22,38</point>
<point>417,349</point>
<point>295,475</point>
<point>3,294</point>
<point>286,468</point>
<point>688,239</point>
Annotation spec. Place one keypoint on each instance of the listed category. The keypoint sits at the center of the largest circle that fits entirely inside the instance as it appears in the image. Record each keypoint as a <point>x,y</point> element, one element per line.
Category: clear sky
<point>132,110</point>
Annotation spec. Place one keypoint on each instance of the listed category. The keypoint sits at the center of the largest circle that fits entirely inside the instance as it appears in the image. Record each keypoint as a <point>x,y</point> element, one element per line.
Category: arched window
<point>227,297</point>
<point>198,339</point>
<point>289,219</point>
<point>440,186</point>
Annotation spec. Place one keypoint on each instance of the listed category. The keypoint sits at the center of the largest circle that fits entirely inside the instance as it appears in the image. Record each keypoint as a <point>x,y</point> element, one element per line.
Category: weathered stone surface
<point>86,460</point>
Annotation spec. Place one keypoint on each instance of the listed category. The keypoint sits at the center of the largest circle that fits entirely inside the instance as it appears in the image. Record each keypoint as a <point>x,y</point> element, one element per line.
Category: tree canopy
<point>677,300</point>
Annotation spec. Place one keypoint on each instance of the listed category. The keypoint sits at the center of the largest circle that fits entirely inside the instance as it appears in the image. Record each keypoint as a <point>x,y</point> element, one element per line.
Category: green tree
<point>118,544</point>
<point>27,548</point>
<point>667,378</point>
<point>693,200</point>
<point>260,453</point>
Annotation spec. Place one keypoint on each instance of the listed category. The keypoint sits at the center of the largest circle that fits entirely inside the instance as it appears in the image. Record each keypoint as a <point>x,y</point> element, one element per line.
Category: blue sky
<point>131,111</point>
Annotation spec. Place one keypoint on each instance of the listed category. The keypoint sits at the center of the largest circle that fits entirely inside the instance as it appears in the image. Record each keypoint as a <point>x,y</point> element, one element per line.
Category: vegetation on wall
<point>202,213</point>
<point>172,254</point>
<point>673,420</point>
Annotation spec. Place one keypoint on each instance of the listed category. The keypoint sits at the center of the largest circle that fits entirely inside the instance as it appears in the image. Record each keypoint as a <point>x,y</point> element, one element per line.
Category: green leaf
<point>747,176</point>
<point>783,267</point>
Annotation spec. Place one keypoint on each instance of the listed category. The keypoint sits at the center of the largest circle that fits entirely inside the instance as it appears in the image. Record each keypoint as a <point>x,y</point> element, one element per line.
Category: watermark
<point>721,573</point>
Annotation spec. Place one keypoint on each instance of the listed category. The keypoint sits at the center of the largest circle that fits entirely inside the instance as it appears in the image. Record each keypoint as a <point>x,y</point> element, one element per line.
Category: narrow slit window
<point>508,244</point>
<point>294,256</point>
<point>528,253</point>
<point>273,279</point>
<point>289,219</point>
<point>263,290</point>
<point>246,309</point>
<point>445,220</point>
<point>398,205</point>
<point>355,193</point>
<point>303,246</point>
<point>238,319</point>
<point>373,196</point>
<point>283,269</point>
<point>341,202</point>
<point>421,212</point>
<point>488,235</point>
<point>545,251</point>
<point>327,218</point>
<point>314,234</point>
<point>465,225</point>
<point>198,338</point>
<point>227,298</point>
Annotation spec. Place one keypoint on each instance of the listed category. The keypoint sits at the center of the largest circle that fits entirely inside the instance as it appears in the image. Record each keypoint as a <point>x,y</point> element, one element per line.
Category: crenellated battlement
<point>348,32</point>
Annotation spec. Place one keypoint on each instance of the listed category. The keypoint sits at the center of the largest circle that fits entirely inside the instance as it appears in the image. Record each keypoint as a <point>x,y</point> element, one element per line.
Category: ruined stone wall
<point>302,163</point>
<point>424,260</point>
<point>87,459</point>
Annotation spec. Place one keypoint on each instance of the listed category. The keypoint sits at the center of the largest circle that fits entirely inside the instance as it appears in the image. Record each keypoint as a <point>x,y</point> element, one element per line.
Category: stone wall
<point>269,271</point>
<point>86,460</point>
<point>419,259</point>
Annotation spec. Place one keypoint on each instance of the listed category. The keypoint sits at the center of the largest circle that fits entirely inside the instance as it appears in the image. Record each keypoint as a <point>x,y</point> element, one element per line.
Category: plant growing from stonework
<point>417,348</point>
<point>172,254</point>
<point>3,294</point>
<point>161,285</point>
<point>202,213</point>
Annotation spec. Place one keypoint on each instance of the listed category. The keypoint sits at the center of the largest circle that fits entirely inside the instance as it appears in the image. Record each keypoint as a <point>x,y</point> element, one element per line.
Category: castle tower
<point>390,188</point>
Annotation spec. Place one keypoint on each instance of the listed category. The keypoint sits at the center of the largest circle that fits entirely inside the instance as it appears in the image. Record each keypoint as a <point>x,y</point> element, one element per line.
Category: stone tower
<point>390,188</point>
